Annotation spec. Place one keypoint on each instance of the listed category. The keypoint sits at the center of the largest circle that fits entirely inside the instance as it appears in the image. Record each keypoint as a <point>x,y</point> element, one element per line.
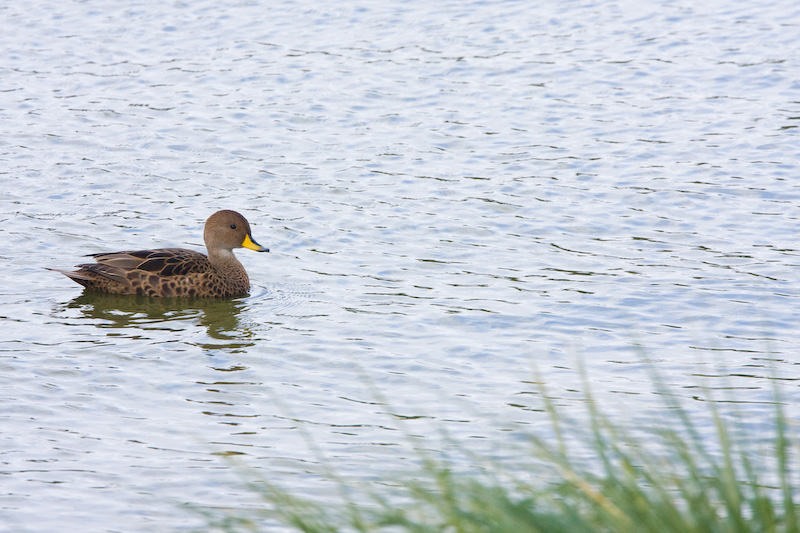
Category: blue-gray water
<point>457,195</point>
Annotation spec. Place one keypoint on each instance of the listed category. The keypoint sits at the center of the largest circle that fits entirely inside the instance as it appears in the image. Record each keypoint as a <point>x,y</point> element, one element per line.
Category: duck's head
<point>226,230</point>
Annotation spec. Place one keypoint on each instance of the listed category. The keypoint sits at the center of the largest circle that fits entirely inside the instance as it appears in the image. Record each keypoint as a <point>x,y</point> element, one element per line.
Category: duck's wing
<point>163,262</point>
<point>140,271</point>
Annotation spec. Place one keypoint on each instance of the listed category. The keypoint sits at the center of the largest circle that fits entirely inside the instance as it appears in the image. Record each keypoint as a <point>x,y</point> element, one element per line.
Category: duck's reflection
<point>220,317</point>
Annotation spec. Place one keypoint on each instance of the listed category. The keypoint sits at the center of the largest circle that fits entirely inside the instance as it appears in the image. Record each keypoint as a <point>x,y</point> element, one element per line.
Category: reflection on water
<point>220,317</point>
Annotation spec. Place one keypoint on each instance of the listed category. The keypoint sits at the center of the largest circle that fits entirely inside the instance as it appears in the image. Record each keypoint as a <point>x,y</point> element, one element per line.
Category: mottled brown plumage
<point>175,271</point>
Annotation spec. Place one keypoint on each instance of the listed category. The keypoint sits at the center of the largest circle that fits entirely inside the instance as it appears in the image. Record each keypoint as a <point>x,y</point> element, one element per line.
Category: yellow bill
<point>253,245</point>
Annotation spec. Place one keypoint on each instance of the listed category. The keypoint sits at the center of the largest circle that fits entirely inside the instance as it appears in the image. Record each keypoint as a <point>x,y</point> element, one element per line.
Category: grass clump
<point>667,478</point>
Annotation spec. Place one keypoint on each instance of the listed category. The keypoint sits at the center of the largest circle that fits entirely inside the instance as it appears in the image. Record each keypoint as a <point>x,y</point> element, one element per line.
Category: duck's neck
<point>226,263</point>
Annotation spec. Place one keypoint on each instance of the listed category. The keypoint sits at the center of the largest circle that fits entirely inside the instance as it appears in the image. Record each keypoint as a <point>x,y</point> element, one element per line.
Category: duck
<point>176,272</point>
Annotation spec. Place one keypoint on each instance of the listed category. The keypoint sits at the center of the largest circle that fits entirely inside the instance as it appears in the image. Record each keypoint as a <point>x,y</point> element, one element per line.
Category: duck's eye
<point>233,226</point>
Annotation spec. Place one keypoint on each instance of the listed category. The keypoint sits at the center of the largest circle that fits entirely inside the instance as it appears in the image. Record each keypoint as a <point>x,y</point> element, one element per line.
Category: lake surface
<point>461,199</point>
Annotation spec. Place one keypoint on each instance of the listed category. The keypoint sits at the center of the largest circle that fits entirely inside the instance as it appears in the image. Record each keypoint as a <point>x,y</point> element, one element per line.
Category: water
<point>457,195</point>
